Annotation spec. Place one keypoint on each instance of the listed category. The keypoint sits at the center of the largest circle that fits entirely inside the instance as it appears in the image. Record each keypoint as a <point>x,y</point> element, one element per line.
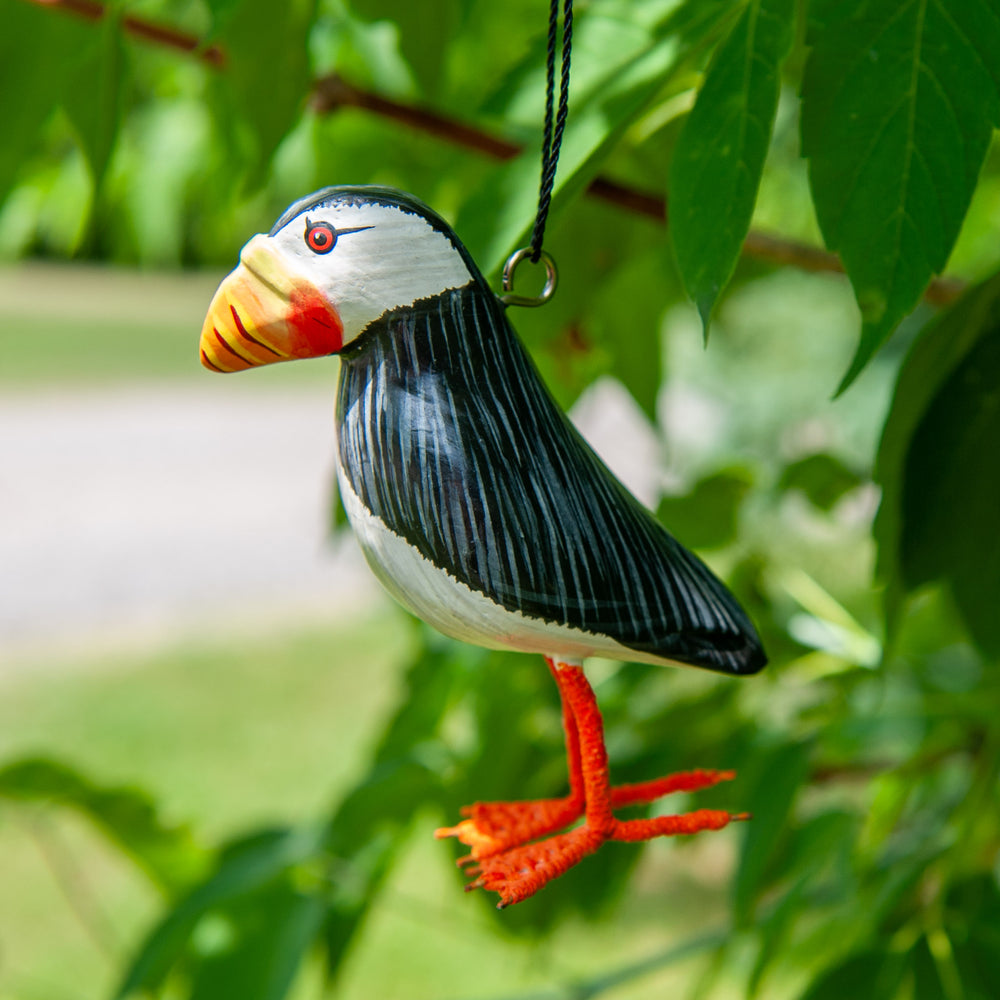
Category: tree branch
<point>148,31</point>
<point>333,92</point>
<point>330,93</point>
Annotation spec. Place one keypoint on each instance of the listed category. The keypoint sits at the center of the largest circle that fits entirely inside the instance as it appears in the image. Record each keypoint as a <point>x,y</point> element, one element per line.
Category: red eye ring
<point>320,237</point>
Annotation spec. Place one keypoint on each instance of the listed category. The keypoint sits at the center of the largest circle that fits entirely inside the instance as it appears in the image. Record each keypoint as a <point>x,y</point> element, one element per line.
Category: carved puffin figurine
<point>476,502</point>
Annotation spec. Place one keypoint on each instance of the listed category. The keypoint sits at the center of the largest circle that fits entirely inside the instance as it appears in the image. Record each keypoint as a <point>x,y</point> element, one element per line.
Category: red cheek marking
<point>314,325</point>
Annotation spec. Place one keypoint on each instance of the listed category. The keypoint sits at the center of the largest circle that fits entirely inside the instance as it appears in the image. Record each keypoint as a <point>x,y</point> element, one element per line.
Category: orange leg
<point>499,832</point>
<point>494,827</point>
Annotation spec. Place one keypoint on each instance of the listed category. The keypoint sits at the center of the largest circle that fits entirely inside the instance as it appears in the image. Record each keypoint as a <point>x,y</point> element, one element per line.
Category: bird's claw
<point>494,827</point>
<point>520,872</point>
<point>508,855</point>
<point>471,834</point>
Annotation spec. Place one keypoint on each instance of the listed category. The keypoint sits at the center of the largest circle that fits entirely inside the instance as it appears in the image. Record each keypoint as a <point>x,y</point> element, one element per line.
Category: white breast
<point>457,610</point>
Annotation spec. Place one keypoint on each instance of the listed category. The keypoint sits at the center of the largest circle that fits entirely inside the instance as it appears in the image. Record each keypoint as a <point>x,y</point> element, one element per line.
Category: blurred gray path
<point>139,512</point>
<point>130,515</point>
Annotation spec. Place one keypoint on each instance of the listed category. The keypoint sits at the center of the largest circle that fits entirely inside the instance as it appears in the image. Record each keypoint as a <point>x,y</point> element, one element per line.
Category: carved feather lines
<point>449,436</point>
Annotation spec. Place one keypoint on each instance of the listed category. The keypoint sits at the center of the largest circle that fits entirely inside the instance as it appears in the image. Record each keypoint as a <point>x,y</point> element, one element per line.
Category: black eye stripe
<point>321,237</point>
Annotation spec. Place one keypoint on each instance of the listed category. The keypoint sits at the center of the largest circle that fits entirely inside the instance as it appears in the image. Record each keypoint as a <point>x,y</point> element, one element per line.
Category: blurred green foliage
<point>869,753</point>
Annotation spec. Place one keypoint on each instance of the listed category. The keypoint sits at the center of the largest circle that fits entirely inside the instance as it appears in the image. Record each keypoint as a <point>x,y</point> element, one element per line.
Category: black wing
<point>448,435</point>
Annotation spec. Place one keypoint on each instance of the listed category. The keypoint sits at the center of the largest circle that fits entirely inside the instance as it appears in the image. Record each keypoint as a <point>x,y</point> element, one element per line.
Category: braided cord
<point>555,123</point>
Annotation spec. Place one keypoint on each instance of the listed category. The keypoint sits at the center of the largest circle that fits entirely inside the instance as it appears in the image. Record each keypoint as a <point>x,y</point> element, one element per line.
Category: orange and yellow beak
<point>263,313</point>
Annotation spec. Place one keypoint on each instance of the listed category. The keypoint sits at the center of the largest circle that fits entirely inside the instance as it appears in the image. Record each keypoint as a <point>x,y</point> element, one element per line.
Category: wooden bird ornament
<point>476,502</point>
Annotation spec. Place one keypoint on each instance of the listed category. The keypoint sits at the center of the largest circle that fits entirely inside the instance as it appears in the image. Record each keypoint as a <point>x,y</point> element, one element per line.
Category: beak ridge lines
<point>261,314</point>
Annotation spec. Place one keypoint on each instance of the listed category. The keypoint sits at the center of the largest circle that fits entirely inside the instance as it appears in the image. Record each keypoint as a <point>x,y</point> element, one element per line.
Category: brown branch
<point>158,34</point>
<point>333,92</point>
<point>329,93</point>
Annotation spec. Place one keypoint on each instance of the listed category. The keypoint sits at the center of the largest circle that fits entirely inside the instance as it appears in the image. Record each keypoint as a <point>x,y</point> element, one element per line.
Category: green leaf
<point>68,62</point>
<point>720,152</point>
<point>938,350</point>
<point>774,932</point>
<point>627,318</point>
<point>496,219</point>
<point>706,518</point>
<point>699,22</point>
<point>268,73</point>
<point>822,477</point>
<point>606,35</point>
<point>637,363</point>
<point>359,877</point>
<point>127,816</point>
<point>936,467</point>
<point>364,836</point>
<point>253,948</point>
<point>898,104</point>
<point>951,491</point>
<point>388,797</point>
<point>370,824</point>
<point>927,984</point>
<point>244,931</point>
<point>94,95</point>
<point>424,40</point>
<point>31,78</point>
<point>220,11</point>
<point>973,922</point>
<point>607,315</point>
<point>427,686</point>
<point>778,774</point>
<point>871,975</point>
<point>245,867</point>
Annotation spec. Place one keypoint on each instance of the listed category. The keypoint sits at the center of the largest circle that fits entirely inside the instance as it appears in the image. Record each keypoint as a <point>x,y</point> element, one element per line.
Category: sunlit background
<point>180,617</point>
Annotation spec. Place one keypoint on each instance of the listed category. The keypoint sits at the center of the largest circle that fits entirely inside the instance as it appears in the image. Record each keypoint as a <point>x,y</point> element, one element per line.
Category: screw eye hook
<point>510,297</point>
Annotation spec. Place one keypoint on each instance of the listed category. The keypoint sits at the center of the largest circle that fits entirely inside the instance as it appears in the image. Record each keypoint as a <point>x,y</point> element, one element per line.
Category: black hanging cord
<point>555,124</point>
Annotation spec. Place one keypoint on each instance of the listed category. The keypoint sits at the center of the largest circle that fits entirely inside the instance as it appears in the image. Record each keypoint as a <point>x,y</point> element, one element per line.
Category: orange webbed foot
<point>491,828</point>
<point>507,855</point>
<point>672,826</point>
<point>643,792</point>
<point>520,872</point>
<point>494,827</point>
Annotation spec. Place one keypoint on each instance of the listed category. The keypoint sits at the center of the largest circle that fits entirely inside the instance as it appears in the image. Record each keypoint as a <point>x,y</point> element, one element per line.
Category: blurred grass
<point>60,323</point>
<point>237,734</point>
<point>67,321</point>
<point>225,735</point>
<point>209,720</point>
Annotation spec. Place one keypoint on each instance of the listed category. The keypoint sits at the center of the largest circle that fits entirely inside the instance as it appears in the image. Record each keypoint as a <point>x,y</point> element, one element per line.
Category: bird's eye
<point>321,237</point>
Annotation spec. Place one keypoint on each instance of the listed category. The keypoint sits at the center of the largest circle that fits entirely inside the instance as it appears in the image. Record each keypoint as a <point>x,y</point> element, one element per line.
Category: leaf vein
<point>961,32</point>
<point>862,160</point>
<point>911,125</point>
<point>921,158</point>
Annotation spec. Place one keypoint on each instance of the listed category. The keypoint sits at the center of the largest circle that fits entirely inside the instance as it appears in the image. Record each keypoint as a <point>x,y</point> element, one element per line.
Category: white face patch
<point>397,261</point>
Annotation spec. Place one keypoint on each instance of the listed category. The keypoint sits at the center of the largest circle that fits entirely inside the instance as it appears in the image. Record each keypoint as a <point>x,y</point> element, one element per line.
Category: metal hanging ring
<point>510,298</point>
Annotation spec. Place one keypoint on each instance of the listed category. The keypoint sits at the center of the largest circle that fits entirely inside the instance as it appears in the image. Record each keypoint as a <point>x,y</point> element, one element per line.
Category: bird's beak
<point>263,313</point>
